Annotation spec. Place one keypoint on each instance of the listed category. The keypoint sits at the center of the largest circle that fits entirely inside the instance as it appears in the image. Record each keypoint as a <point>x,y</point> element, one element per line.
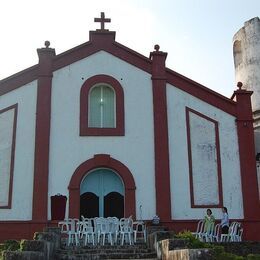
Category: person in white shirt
<point>224,221</point>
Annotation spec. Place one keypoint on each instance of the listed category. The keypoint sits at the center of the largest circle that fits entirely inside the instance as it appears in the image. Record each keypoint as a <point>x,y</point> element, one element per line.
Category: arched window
<point>237,53</point>
<point>101,107</point>
<point>101,111</point>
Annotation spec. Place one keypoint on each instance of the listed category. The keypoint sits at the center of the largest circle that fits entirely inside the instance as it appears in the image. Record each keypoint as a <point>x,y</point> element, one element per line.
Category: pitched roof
<point>105,40</point>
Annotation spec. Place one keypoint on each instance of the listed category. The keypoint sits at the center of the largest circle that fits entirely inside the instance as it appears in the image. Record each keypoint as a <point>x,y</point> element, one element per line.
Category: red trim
<point>102,41</point>
<point>119,130</point>
<point>161,142</point>
<point>10,192</point>
<point>18,79</point>
<point>101,160</point>
<point>245,131</point>
<point>193,205</point>
<point>42,135</point>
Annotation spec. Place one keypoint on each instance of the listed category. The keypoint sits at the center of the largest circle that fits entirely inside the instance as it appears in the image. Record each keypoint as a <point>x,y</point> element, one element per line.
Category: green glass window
<point>102,107</point>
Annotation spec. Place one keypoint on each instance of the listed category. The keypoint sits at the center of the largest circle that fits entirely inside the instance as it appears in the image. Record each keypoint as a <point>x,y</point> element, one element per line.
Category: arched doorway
<point>98,161</point>
<point>102,194</point>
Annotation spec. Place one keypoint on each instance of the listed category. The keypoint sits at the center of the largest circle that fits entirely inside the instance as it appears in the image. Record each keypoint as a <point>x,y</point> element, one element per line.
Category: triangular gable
<point>105,41</point>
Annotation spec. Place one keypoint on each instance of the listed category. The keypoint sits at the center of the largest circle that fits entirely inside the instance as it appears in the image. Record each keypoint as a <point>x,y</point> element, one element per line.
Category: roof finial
<point>156,47</point>
<point>102,20</point>
<point>239,85</point>
<point>47,44</point>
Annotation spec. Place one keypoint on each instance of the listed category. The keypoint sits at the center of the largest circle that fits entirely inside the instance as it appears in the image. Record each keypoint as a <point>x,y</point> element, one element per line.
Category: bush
<point>192,241</point>
<point>10,245</point>
<point>228,256</point>
<point>218,251</point>
<point>253,257</point>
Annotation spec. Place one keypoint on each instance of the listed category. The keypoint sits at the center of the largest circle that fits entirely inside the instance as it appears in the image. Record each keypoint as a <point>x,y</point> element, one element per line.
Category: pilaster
<point>161,145</point>
<point>247,154</point>
<point>42,134</point>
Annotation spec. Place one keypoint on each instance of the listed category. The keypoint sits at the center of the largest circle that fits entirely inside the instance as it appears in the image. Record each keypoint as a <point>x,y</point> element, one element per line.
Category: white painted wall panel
<point>25,97</point>
<point>179,166</point>
<point>6,141</point>
<point>135,150</point>
<point>204,161</point>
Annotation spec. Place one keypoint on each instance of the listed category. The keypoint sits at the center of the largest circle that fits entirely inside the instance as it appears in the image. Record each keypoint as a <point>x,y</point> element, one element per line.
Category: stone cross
<point>102,20</point>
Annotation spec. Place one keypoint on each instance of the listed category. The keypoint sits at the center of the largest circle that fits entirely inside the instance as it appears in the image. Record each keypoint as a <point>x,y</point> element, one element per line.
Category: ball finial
<point>47,44</point>
<point>156,47</point>
<point>239,85</point>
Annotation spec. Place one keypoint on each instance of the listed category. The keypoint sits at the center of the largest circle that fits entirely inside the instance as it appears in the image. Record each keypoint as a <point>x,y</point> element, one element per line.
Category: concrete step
<point>105,252</point>
<point>105,256</point>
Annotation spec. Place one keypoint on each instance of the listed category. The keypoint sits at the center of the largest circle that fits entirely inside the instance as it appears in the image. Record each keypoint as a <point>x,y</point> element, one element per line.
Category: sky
<point>196,34</point>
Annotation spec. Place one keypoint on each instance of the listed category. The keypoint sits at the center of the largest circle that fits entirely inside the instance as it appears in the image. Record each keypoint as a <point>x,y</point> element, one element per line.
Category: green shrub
<point>253,257</point>
<point>228,256</point>
<point>192,241</point>
<point>22,244</point>
<point>218,251</point>
<point>11,245</point>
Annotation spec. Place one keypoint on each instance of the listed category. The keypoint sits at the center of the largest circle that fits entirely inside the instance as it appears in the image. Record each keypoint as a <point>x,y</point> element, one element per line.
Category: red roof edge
<point>201,92</point>
<point>18,79</point>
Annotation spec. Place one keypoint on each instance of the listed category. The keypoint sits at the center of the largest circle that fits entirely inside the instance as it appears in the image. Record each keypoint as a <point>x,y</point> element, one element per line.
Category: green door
<point>102,194</point>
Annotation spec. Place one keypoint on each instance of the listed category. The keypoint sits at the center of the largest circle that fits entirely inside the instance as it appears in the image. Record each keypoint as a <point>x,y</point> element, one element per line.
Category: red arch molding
<point>85,130</point>
<point>101,160</point>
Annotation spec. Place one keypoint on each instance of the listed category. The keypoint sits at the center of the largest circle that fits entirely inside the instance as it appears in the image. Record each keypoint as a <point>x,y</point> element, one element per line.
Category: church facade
<point>119,133</point>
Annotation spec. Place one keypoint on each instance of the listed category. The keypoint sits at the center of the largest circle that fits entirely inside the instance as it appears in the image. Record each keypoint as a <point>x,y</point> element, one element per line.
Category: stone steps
<point>105,252</point>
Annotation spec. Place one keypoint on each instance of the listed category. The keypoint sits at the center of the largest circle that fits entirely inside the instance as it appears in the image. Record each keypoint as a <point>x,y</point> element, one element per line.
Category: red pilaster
<point>162,171</point>
<point>42,135</point>
<point>247,154</point>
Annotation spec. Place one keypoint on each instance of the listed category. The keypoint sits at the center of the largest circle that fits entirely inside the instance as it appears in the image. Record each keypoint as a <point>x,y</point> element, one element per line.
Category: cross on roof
<point>102,20</point>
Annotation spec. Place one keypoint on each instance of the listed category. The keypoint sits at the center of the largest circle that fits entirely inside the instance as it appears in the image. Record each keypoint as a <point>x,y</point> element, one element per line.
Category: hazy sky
<point>197,34</point>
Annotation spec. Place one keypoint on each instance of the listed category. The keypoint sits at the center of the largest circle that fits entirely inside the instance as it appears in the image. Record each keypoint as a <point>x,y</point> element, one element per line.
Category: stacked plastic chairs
<point>234,233</point>
<point>199,234</point>
<point>139,229</point>
<point>126,230</point>
<point>100,231</point>
<point>87,231</point>
<point>71,228</point>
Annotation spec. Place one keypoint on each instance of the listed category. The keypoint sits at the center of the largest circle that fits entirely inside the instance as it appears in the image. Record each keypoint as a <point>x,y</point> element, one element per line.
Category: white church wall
<point>177,101</point>
<point>135,150</point>
<point>25,98</point>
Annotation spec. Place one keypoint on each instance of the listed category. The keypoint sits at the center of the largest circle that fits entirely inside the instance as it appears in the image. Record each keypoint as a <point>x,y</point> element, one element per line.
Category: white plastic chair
<point>101,229</point>
<point>200,230</point>
<point>113,223</point>
<point>232,231</point>
<point>126,230</point>
<point>238,235</point>
<point>215,236</point>
<point>139,228</point>
<point>207,235</point>
<point>70,228</point>
<point>87,231</point>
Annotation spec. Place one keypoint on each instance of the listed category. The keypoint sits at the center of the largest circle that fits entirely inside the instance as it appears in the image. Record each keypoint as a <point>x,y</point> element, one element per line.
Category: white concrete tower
<point>246,51</point>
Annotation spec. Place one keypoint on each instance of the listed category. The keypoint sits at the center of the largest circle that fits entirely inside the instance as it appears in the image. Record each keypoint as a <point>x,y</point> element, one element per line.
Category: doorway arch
<point>102,194</point>
<point>102,161</point>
